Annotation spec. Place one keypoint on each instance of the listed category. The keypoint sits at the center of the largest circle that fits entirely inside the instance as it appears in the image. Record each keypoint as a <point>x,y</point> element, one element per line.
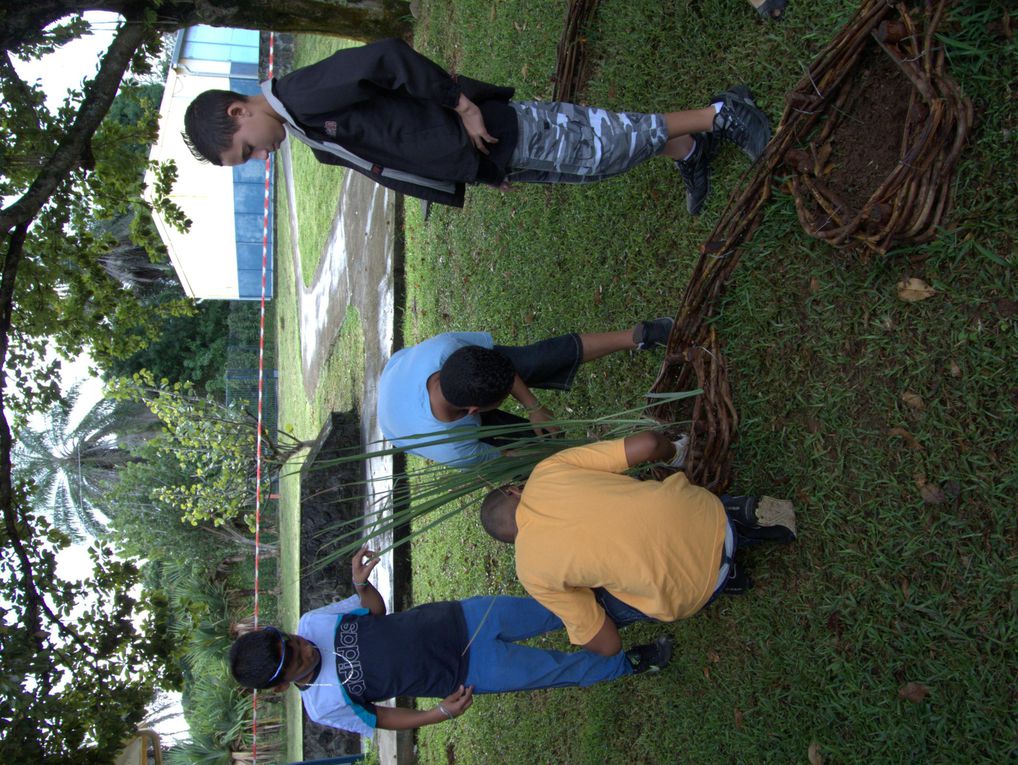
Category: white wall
<point>205,258</point>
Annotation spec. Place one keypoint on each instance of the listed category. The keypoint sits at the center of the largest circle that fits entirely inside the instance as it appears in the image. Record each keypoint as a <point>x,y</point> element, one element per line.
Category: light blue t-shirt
<point>404,409</point>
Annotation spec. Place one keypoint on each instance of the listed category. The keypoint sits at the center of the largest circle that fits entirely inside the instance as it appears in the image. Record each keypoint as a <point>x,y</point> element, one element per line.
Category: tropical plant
<point>73,466</point>
<point>433,492</point>
<point>214,445</point>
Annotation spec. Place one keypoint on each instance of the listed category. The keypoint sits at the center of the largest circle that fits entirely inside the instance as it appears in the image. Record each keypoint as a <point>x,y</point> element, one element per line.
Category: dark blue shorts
<point>549,364</point>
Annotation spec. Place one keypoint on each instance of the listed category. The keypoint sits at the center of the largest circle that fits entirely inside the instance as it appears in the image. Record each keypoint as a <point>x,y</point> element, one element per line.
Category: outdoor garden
<point>873,385</point>
<point>886,632</point>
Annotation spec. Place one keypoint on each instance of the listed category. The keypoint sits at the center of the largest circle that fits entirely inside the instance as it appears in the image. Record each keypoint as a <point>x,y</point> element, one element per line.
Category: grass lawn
<point>882,589</point>
<point>318,196</point>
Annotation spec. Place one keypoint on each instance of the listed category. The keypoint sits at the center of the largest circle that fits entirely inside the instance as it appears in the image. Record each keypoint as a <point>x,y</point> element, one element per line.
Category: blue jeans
<point>499,664</point>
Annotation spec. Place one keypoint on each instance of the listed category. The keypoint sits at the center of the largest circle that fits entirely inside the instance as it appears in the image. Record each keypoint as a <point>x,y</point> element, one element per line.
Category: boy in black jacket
<point>390,113</point>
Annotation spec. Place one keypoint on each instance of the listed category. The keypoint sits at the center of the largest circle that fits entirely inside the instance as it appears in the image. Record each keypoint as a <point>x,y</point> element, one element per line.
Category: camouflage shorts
<point>566,143</point>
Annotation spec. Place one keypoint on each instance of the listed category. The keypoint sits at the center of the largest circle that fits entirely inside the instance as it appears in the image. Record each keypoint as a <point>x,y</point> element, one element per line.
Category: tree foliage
<point>189,348</point>
<point>75,665</point>
<point>214,446</point>
<point>74,677</point>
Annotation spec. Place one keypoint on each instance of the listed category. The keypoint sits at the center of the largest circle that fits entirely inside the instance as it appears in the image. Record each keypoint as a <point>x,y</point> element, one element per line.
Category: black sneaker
<point>650,657</point>
<point>739,581</point>
<point>741,122</point>
<point>653,333</point>
<point>696,171</point>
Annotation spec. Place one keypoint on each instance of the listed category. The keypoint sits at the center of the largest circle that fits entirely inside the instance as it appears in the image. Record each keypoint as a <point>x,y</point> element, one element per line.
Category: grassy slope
<point>316,210</point>
<point>882,589</point>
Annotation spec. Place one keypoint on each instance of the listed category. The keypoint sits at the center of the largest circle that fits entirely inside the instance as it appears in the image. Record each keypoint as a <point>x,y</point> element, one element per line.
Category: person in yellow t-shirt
<point>601,549</point>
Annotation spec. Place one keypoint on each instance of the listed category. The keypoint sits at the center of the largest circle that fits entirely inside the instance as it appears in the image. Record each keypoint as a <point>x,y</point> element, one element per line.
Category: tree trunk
<point>356,19</point>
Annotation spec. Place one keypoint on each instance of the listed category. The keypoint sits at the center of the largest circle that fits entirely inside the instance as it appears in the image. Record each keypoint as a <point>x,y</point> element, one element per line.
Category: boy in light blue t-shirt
<point>459,380</point>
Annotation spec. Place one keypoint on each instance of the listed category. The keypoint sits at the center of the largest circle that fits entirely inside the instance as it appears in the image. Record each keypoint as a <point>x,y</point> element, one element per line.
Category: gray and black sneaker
<point>650,657</point>
<point>653,333</point>
<point>741,122</point>
<point>696,171</point>
<point>761,519</point>
<point>739,581</point>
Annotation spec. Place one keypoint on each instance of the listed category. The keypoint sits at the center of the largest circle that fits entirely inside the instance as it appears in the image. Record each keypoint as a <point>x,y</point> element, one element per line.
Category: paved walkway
<point>356,269</point>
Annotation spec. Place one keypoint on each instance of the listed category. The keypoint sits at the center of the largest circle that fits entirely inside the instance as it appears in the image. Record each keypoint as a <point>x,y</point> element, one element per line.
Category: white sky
<point>69,65</point>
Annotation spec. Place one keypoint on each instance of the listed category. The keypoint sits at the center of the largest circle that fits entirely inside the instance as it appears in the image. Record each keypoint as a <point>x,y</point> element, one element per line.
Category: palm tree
<point>72,467</point>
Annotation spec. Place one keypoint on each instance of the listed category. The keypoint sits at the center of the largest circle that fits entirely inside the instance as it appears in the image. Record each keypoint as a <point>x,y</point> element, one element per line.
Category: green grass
<point>881,588</point>
<point>339,385</point>
<point>318,197</point>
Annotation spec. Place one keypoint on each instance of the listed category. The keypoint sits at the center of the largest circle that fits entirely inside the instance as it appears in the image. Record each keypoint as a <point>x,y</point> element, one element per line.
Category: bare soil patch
<point>866,144</point>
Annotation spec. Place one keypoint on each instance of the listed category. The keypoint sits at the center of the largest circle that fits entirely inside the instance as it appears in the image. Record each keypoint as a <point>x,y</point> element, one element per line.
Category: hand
<point>540,415</point>
<point>459,701</point>
<point>473,123</point>
<point>364,562</point>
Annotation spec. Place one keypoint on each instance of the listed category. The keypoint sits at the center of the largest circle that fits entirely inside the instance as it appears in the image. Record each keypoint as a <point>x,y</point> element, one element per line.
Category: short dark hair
<point>495,516</point>
<point>254,657</point>
<point>208,127</point>
<point>476,376</point>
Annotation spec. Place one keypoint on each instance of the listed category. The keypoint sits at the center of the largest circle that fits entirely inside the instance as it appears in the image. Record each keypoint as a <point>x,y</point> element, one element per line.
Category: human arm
<point>648,446</point>
<point>473,123</point>
<point>536,413</point>
<point>363,563</point>
<point>577,607</point>
<point>396,718</point>
<point>607,641</point>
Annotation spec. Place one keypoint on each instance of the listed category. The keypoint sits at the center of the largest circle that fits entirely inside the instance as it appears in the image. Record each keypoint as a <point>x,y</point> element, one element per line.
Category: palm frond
<point>438,492</point>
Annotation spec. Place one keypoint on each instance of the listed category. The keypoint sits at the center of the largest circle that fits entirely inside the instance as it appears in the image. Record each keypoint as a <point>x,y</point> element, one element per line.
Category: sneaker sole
<point>776,512</point>
<point>699,208</point>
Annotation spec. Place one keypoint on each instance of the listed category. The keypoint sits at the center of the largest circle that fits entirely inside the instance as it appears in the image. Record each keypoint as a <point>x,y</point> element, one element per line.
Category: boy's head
<point>228,128</point>
<point>498,512</point>
<point>269,658</point>
<point>476,377</point>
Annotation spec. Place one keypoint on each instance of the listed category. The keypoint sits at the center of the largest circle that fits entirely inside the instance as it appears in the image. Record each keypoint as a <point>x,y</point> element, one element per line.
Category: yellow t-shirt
<point>655,545</point>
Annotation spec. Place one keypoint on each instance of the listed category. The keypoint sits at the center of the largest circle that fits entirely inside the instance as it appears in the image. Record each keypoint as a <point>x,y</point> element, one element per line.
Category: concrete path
<point>356,269</point>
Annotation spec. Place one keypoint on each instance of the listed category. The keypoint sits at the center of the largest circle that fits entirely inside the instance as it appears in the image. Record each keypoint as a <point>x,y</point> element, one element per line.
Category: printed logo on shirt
<point>330,127</point>
<point>348,658</point>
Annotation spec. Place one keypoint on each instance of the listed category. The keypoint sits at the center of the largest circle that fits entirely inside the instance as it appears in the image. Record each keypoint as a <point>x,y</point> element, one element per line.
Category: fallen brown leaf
<point>528,318</point>
<point>914,692</point>
<point>913,290</point>
<point>905,587</point>
<point>952,489</point>
<point>815,758</point>
<point>597,295</point>
<point>713,656</point>
<point>932,494</point>
<point>814,285</point>
<point>905,436</point>
<point>738,718</point>
<point>706,673</point>
<point>1006,308</point>
<point>913,400</point>
<point>953,369</point>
